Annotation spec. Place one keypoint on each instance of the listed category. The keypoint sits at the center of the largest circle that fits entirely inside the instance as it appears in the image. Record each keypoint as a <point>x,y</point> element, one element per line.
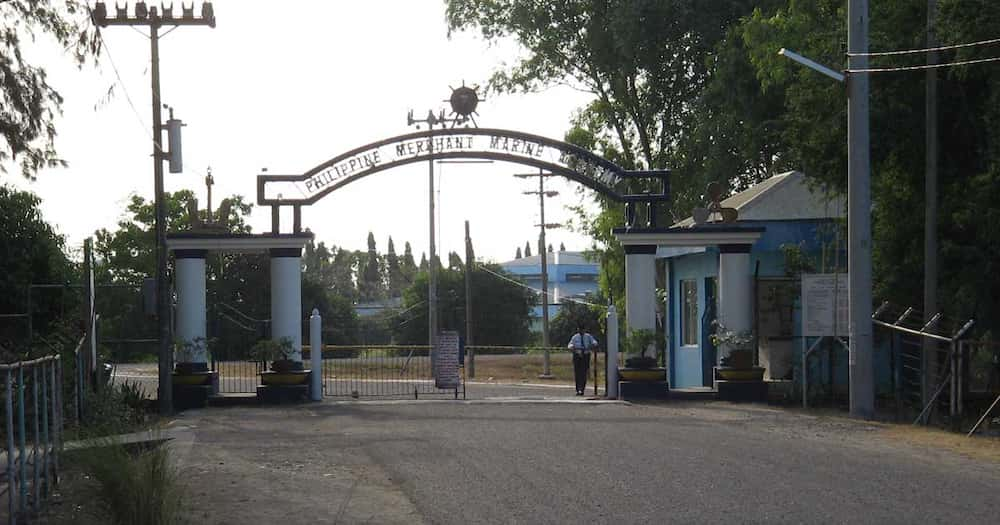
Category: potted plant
<point>185,353</point>
<point>737,363</point>
<point>640,367</point>
<point>278,353</point>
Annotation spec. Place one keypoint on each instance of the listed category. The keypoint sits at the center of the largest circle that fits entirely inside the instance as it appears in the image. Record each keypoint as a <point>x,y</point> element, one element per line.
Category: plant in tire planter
<point>737,363</point>
<point>638,342</point>
<point>185,353</point>
<point>278,353</point>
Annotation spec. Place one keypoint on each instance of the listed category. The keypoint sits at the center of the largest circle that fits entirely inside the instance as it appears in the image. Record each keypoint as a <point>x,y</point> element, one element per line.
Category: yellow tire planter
<point>642,374</point>
<point>197,379</point>
<point>741,374</point>
<point>298,377</point>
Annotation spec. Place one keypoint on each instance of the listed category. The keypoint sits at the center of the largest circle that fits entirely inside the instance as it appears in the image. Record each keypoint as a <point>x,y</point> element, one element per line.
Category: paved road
<point>569,462</point>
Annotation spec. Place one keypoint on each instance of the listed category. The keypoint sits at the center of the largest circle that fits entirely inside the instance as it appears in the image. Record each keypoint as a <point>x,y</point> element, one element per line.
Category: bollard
<point>316,355</point>
<point>612,357</point>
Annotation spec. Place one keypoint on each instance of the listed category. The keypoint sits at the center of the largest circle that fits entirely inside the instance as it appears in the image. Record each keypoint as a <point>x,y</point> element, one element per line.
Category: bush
<point>134,487</point>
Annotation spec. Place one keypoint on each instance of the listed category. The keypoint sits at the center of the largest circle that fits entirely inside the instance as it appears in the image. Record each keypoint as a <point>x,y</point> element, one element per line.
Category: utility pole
<point>930,204</point>
<point>470,263</point>
<point>209,182</point>
<point>149,16</point>
<point>543,255</point>
<point>432,323</point>
<point>860,362</point>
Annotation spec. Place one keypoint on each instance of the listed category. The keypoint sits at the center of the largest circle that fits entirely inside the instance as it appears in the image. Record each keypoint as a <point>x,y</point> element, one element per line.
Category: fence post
<point>45,428</point>
<point>34,447</point>
<point>11,473</point>
<point>316,355</point>
<point>22,439</point>
<point>611,374</point>
<point>58,420</point>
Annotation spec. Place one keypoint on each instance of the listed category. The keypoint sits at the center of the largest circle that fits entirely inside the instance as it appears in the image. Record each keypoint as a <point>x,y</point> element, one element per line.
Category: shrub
<point>134,487</point>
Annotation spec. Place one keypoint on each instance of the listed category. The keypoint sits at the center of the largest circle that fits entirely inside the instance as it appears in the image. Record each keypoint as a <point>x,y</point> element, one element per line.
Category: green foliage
<point>273,350</point>
<point>500,308</point>
<point>134,486</point>
<point>30,104</point>
<point>40,258</point>
<point>572,315</point>
<point>114,409</point>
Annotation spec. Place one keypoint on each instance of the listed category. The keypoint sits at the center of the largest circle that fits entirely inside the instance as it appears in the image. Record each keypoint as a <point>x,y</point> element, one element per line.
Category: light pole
<point>151,17</point>
<point>463,105</point>
<point>543,255</point>
<point>859,252</point>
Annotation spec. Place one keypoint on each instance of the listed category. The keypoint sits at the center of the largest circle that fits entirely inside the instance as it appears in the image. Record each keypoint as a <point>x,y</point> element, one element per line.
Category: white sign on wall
<point>446,373</point>
<point>825,305</point>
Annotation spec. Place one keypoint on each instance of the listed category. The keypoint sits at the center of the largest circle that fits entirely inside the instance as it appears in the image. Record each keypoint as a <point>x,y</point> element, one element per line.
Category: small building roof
<point>563,257</point>
<point>783,197</point>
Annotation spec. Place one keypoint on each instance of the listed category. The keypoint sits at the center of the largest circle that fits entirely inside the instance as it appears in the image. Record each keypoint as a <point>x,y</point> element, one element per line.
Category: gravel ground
<point>570,461</point>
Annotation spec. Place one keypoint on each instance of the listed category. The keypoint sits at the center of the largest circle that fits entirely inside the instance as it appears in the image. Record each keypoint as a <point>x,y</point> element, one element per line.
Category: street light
<point>859,266</point>
<point>544,256</point>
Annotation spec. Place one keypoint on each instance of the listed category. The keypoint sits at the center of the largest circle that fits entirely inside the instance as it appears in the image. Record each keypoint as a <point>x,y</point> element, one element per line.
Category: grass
<point>133,485</point>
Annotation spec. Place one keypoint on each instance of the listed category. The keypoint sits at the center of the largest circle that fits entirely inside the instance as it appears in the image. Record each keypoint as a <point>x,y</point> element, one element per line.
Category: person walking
<point>580,344</point>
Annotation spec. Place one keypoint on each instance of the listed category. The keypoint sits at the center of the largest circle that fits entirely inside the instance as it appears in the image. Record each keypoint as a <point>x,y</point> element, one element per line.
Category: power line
<point>536,290</point>
<point>926,50</point>
<point>922,67</point>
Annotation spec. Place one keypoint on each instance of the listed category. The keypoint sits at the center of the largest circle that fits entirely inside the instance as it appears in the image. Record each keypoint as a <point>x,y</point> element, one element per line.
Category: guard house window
<point>689,313</point>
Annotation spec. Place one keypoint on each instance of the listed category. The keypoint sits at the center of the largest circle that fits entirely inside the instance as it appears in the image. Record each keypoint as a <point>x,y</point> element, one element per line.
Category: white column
<point>316,355</point>
<point>612,357</point>
<point>286,297</point>
<point>190,285</point>
<point>640,288</point>
<point>735,308</point>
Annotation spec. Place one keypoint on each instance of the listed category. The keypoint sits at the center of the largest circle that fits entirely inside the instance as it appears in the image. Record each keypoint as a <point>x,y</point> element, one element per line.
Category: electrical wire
<point>926,66</point>
<point>536,290</point>
<point>926,50</point>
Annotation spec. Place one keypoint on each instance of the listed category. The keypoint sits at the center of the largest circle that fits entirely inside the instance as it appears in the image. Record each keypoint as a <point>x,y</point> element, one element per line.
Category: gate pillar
<point>190,285</point>
<point>735,309</point>
<point>286,297</point>
<point>640,287</point>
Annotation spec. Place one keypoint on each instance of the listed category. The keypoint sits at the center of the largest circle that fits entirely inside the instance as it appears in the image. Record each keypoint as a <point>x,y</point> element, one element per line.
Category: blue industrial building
<point>571,276</point>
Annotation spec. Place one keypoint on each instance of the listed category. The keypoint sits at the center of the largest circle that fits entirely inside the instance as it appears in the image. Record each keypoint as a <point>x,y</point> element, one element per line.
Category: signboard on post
<point>446,373</point>
<point>825,305</point>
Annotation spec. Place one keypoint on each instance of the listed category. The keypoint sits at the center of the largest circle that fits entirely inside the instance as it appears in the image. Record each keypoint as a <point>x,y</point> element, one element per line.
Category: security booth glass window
<point>689,313</point>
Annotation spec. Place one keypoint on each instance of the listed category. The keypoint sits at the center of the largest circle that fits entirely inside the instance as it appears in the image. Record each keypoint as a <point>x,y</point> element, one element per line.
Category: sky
<point>285,86</point>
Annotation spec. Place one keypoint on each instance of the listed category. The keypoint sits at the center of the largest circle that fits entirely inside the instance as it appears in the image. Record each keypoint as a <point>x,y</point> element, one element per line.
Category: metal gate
<point>384,371</point>
<point>233,335</point>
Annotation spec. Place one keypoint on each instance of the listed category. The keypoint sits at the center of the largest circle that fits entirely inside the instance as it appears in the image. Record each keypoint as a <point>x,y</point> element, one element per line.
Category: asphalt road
<point>567,462</point>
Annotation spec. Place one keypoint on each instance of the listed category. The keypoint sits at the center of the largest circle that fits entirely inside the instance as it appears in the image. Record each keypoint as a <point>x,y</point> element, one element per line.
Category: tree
<point>518,254</point>
<point>371,285</point>
<point>394,272</point>
<point>501,310</point>
<point>455,261</point>
<point>423,262</point>
<point>562,247</point>
<point>34,254</point>
<point>572,315</point>
<point>30,104</point>
<point>550,248</point>
<point>408,268</point>
<point>646,63</point>
<point>527,249</point>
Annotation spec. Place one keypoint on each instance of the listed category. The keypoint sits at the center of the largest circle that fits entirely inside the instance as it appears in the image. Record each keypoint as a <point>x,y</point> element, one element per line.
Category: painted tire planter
<point>195,379</point>
<point>298,377</point>
<point>755,373</point>
<point>639,375</point>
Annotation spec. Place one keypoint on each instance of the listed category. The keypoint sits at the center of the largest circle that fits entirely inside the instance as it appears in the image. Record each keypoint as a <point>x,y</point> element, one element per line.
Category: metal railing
<point>384,371</point>
<point>32,464</point>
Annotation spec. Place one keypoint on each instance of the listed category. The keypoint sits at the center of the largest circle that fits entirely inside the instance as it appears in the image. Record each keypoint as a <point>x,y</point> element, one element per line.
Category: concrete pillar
<point>735,285</point>
<point>640,288</point>
<point>191,319</point>
<point>286,297</point>
<point>612,357</point>
<point>316,355</point>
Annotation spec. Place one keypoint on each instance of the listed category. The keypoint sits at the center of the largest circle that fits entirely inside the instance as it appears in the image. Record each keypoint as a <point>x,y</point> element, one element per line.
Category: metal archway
<point>560,158</point>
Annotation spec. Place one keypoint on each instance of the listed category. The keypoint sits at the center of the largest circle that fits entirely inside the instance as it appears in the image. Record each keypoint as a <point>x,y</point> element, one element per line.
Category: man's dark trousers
<point>581,365</point>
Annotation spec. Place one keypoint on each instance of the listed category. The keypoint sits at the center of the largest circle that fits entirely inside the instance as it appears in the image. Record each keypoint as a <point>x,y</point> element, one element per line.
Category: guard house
<point>712,261</point>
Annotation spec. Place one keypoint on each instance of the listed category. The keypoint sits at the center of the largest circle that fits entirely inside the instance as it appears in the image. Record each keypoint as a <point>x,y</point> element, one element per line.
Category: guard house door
<point>708,350</point>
